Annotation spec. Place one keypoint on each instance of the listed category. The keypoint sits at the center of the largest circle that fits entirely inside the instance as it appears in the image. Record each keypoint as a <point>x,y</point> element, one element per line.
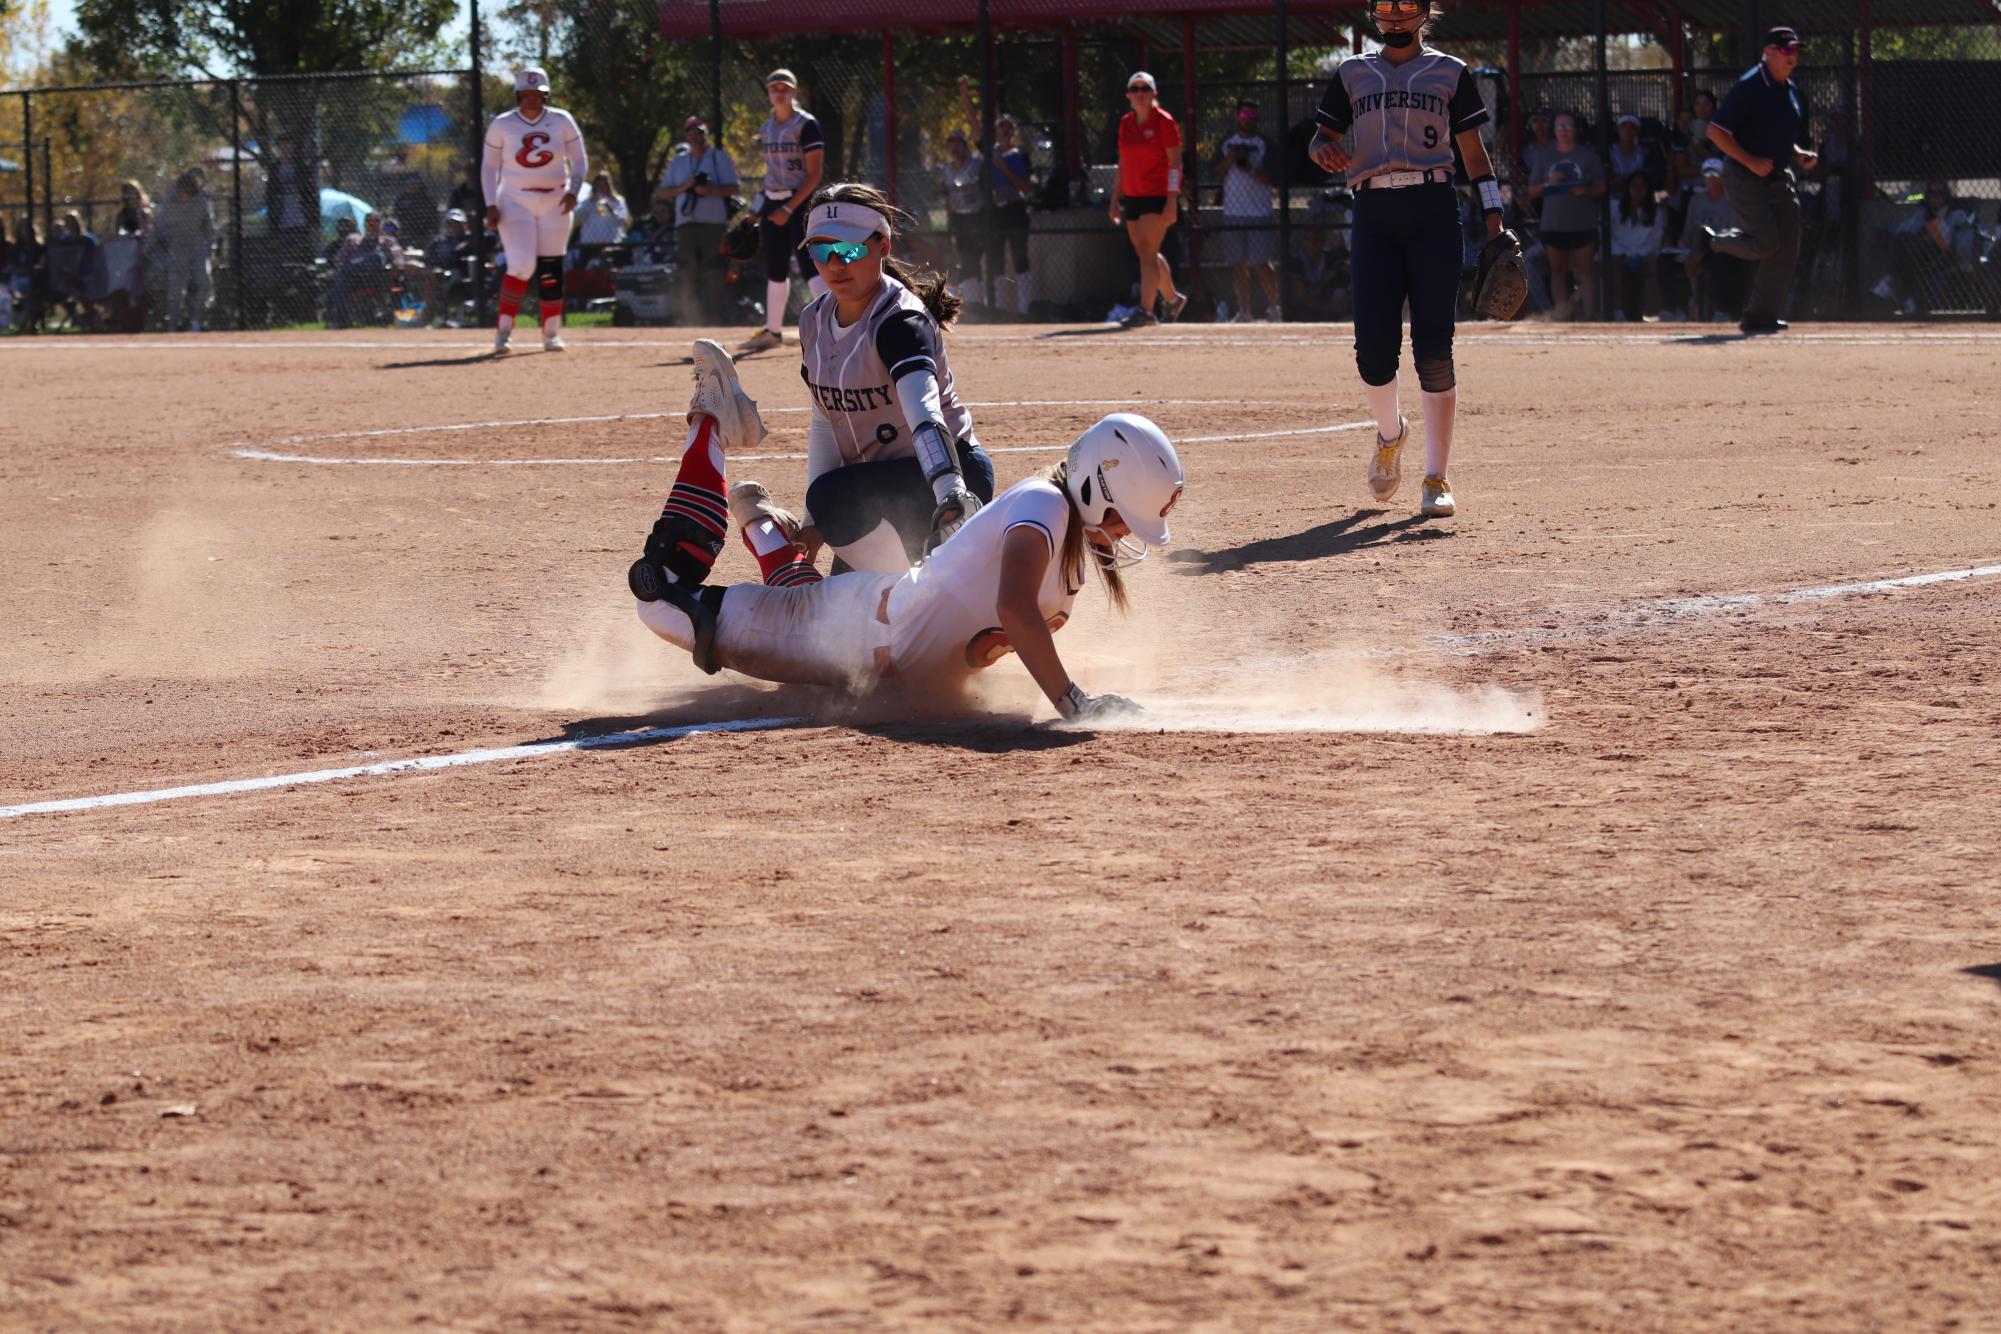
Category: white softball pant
<point>532,225</point>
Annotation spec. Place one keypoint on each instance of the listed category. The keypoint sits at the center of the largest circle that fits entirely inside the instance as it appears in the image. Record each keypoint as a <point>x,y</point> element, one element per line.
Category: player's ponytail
<point>930,286</point>
<point>1073,557</point>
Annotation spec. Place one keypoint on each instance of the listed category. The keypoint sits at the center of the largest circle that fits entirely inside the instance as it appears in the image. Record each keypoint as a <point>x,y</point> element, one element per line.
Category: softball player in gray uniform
<point>1390,120</point>
<point>794,150</point>
<point>892,463</point>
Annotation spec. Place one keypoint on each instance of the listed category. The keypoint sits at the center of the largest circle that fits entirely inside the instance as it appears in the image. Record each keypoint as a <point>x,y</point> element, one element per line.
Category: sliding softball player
<point>1004,583</point>
<point>532,169</point>
<point>892,465</point>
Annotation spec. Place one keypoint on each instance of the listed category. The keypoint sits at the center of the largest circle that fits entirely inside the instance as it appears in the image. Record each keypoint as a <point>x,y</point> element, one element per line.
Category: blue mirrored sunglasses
<point>826,252</point>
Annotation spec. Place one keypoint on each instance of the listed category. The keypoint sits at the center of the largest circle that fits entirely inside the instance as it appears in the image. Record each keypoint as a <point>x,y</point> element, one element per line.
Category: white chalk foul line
<point>421,764</point>
<point>273,456</point>
<point>1641,615</point>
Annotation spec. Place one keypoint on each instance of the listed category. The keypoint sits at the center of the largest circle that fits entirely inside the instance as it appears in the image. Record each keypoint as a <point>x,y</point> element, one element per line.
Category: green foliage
<point>223,37</point>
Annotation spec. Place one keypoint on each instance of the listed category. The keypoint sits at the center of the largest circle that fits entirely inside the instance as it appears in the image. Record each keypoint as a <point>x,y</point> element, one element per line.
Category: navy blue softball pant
<point>1405,246</point>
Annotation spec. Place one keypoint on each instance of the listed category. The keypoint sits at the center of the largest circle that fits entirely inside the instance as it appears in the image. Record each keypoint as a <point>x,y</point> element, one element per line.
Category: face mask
<point>1399,39</point>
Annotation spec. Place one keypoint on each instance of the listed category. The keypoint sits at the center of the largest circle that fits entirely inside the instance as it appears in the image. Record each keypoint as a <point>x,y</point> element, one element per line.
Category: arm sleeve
<point>810,137</point>
<point>489,166</point>
<point>580,161</point>
<point>823,454</point>
<point>907,342</point>
<point>1466,108</point>
<point>1336,112</point>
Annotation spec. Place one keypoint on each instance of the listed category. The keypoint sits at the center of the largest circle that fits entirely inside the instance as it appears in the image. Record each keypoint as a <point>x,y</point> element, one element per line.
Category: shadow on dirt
<point>1990,971</point>
<point>1329,539</point>
<point>958,724</point>
<point>476,359</point>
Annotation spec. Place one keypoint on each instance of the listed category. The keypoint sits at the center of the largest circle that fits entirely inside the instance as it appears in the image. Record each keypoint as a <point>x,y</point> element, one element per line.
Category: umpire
<point>1762,128</point>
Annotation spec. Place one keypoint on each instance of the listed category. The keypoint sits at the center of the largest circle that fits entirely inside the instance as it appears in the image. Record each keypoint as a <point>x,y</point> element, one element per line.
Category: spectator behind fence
<point>1250,244</point>
<point>135,211</point>
<point>1318,264</point>
<point>1638,227</point>
<point>1629,155</point>
<point>1006,224</point>
<point>1148,198</point>
<point>186,228</point>
<point>1703,104</point>
<point>1008,227</point>
<point>602,217</point>
<point>1570,184</point>
<point>447,268</point>
<point>1716,280</point>
<point>362,263</point>
<point>652,240</point>
<point>412,202</point>
<point>1536,151</point>
<point>71,257</point>
<point>965,215</point>
<point>1936,251</point>
<point>697,185</point>
<point>6,279</point>
<point>1762,129</point>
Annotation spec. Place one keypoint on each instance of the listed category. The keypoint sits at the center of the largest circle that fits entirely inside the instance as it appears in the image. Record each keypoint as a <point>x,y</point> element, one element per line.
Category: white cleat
<point>1437,499</point>
<point>749,502</point>
<point>1386,467</point>
<point>553,342</point>
<point>500,339</point>
<point>719,394</point>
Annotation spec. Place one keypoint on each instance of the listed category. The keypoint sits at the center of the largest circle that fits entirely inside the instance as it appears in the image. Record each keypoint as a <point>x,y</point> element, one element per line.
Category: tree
<point>219,38</point>
<point>624,84</point>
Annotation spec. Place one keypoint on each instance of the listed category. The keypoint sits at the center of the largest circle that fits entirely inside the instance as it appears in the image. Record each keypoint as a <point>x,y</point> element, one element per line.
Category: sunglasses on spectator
<point>826,252</point>
<point>1399,9</point>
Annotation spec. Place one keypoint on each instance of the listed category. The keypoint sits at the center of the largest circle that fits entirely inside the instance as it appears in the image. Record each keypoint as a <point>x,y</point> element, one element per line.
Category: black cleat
<point>1766,325</point>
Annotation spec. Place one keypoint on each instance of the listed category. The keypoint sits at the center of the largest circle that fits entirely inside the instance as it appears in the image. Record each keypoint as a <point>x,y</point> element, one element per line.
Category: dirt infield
<point>1578,914</point>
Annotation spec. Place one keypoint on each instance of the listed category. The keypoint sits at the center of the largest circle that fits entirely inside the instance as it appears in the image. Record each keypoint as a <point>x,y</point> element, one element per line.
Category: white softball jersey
<point>851,376</point>
<point>936,622</point>
<point>546,153</point>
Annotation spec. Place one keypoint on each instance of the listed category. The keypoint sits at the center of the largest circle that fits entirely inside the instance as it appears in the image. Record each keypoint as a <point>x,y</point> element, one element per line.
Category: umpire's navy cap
<point>1782,37</point>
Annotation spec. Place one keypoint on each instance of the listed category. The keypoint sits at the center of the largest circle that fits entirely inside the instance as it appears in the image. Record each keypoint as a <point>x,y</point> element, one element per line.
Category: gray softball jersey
<point>1403,116</point>
<point>852,373</point>
<point>785,149</point>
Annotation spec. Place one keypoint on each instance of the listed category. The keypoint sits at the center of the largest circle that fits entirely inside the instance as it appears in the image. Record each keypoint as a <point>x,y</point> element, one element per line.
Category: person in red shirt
<point>1149,194</point>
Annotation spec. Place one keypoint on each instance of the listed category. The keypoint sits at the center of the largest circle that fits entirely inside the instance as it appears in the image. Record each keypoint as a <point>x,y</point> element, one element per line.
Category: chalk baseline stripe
<point>531,751</point>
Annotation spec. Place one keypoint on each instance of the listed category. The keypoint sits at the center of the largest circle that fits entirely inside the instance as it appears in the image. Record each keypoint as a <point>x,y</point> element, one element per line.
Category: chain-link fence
<point>243,204</point>
<point>228,202</point>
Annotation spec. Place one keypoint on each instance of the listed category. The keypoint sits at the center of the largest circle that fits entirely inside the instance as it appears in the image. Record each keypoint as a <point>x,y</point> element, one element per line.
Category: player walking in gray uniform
<point>892,466</point>
<point>1390,121</point>
<point>794,150</point>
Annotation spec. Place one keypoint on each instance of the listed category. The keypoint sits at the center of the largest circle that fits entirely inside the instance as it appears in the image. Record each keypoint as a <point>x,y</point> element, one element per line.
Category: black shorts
<point>850,502</point>
<point>1134,207</point>
<point>1567,241</point>
<point>779,242</point>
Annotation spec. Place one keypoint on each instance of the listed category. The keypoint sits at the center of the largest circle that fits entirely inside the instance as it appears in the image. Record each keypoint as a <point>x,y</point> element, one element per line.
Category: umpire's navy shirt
<point>1768,117</point>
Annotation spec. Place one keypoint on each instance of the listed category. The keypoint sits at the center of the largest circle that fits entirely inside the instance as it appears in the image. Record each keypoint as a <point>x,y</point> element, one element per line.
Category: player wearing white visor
<point>1004,584</point>
<point>893,466</point>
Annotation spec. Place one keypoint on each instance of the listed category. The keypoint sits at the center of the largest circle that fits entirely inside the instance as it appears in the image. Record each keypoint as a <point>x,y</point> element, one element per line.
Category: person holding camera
<point>1250,243</point>
<point>698,182</point>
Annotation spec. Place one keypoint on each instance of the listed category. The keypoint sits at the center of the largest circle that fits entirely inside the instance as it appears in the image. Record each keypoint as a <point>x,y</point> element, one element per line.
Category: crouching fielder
<point>533,166</point>
<point>1004,583</point>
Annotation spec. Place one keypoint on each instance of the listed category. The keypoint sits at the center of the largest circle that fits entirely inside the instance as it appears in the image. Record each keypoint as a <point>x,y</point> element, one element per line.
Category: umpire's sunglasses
<point>826,252</point>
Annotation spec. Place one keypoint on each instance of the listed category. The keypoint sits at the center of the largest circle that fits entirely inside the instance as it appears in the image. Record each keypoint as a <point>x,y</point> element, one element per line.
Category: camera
<point>1242,154</point>
<point>701,178</point>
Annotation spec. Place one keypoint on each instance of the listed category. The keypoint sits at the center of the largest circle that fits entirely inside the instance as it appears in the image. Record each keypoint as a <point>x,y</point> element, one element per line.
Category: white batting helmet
<point>1125,463</point>
<point>531,81</point>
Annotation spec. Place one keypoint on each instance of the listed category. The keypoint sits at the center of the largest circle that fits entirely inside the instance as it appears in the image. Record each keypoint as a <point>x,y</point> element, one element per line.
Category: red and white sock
<point>783,564</point>
<point>701,488</point>
<point>512,290</point>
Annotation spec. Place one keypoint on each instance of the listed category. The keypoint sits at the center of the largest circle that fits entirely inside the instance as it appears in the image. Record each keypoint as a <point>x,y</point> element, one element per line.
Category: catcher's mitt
<point>1501,282</point>
<point>740,241</point>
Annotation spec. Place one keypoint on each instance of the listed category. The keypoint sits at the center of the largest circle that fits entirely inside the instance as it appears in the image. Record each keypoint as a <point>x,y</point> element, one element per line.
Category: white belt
<point>779,194</point>
<point>1397,180</point>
